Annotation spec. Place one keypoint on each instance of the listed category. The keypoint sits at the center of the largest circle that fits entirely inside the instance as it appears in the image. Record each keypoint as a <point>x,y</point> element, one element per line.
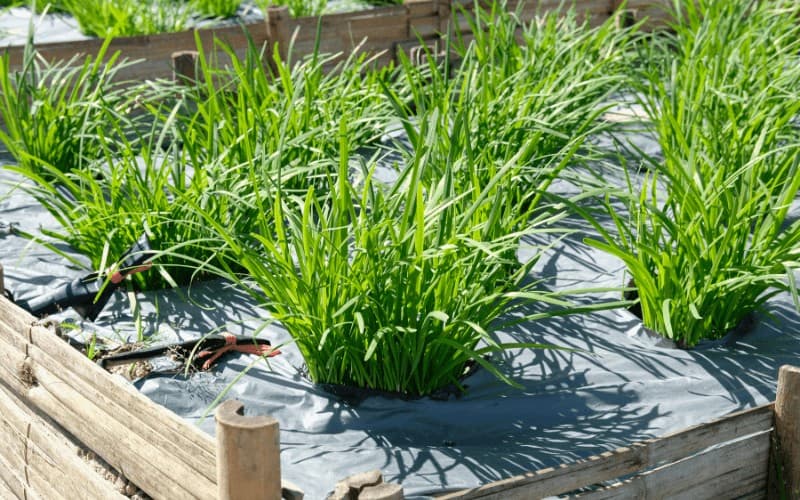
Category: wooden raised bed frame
<point>55,404</point>
<point>378,32</point>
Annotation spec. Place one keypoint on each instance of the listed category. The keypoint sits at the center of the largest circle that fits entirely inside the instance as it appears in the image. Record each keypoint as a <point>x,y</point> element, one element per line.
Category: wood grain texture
<point>12,362</point>
<point>640,456</point>
<point>383,28</point>
<point>279,31</point>
<point>248,451</point>
<point>655,14</point>
<point>157,473</point>
<point>14,322</point>
<point>154,52</point>
<point>11,480</point>
<point>787,427</point>
<point>6,491</point>
<point>422,8</point>
<point>728,471</point>
<point>153,422</point>
<point>51,453</point>
<point>154,448</point>
<point>552,481</point>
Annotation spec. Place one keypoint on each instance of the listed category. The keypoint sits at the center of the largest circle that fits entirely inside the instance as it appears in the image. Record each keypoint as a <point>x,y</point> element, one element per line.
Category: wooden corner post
<point>278,20</point>
<point>787,427</point>
<point>248,455</point>
<point>184,66</point>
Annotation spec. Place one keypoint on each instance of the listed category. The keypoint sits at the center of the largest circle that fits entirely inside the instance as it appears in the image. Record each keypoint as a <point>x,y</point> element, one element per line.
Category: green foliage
<point>386,288</point>
<point>291,112</point>
<point>104,206</point>
<point>263,177</point>
<point>52,112</point>
<point>531,93</point>
<point>91,347</point>
<point>297,8</point>
<point>128,17</point>
<point>200,146</point>
<point>216,8</point>
<point>398,287</point>
<point>709,240</point>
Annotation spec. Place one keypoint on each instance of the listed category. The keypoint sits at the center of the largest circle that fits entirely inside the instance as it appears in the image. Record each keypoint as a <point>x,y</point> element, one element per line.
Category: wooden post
<point>787,427</point>
<point>248,455</point>
<point>278,19</point>
<point>2,281</point>
<point>184,66</point>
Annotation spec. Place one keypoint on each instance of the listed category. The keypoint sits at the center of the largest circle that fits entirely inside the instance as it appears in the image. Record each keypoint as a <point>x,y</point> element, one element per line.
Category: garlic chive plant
<point>397,287</point>
<point>231,115</point>
<point>52,112</point>
<point>191,142</point>
<point>709,239</point>
<point>216,8</point>
<point>115,18</point>
<point>388,288</point>
<point>531,93</point>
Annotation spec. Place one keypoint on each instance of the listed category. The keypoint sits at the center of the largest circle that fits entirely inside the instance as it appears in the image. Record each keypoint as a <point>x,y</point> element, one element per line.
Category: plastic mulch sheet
<point>619,385</point>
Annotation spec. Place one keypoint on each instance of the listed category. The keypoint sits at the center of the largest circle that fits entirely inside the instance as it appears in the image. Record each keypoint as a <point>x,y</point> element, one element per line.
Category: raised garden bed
<point>52,456</point>
<point>611,386</point>
<point>378,31</point>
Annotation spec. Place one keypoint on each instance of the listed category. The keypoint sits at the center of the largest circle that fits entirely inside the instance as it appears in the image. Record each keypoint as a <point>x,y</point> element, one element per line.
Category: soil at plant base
<point>353,395</point>
<point>729,339</point>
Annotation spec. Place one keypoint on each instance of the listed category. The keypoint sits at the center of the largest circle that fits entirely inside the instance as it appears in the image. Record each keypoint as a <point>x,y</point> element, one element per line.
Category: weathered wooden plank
<point>596,11</point>
<point>12,349</point>
<point>11,364</point>
<point>279,31</point>
<point>425,27</point>
<point>6,491</point>
<point>750,479</point>
<point>50,452</point>
<point>13,447</point>
<point>552,481</point>
<point>13,320</point>
<point>157,473</point>
<point>74,394</point>
<point>154,423</point>
<point>611,465</point>
<point>10,478</point>
<point>37,480</point>
<point>329,46</point>
<point>381,15</point>
<point>153,51</point>
<point>699,437</point>
<point>728,471</point>
<point>421,8</point>
<point>150,467</point>
<point>657,14</point>
<point>56,473</point>
<point>20,469</point>
<point>787,428</point>
<point>248,451</point>
<point>384,33</point>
